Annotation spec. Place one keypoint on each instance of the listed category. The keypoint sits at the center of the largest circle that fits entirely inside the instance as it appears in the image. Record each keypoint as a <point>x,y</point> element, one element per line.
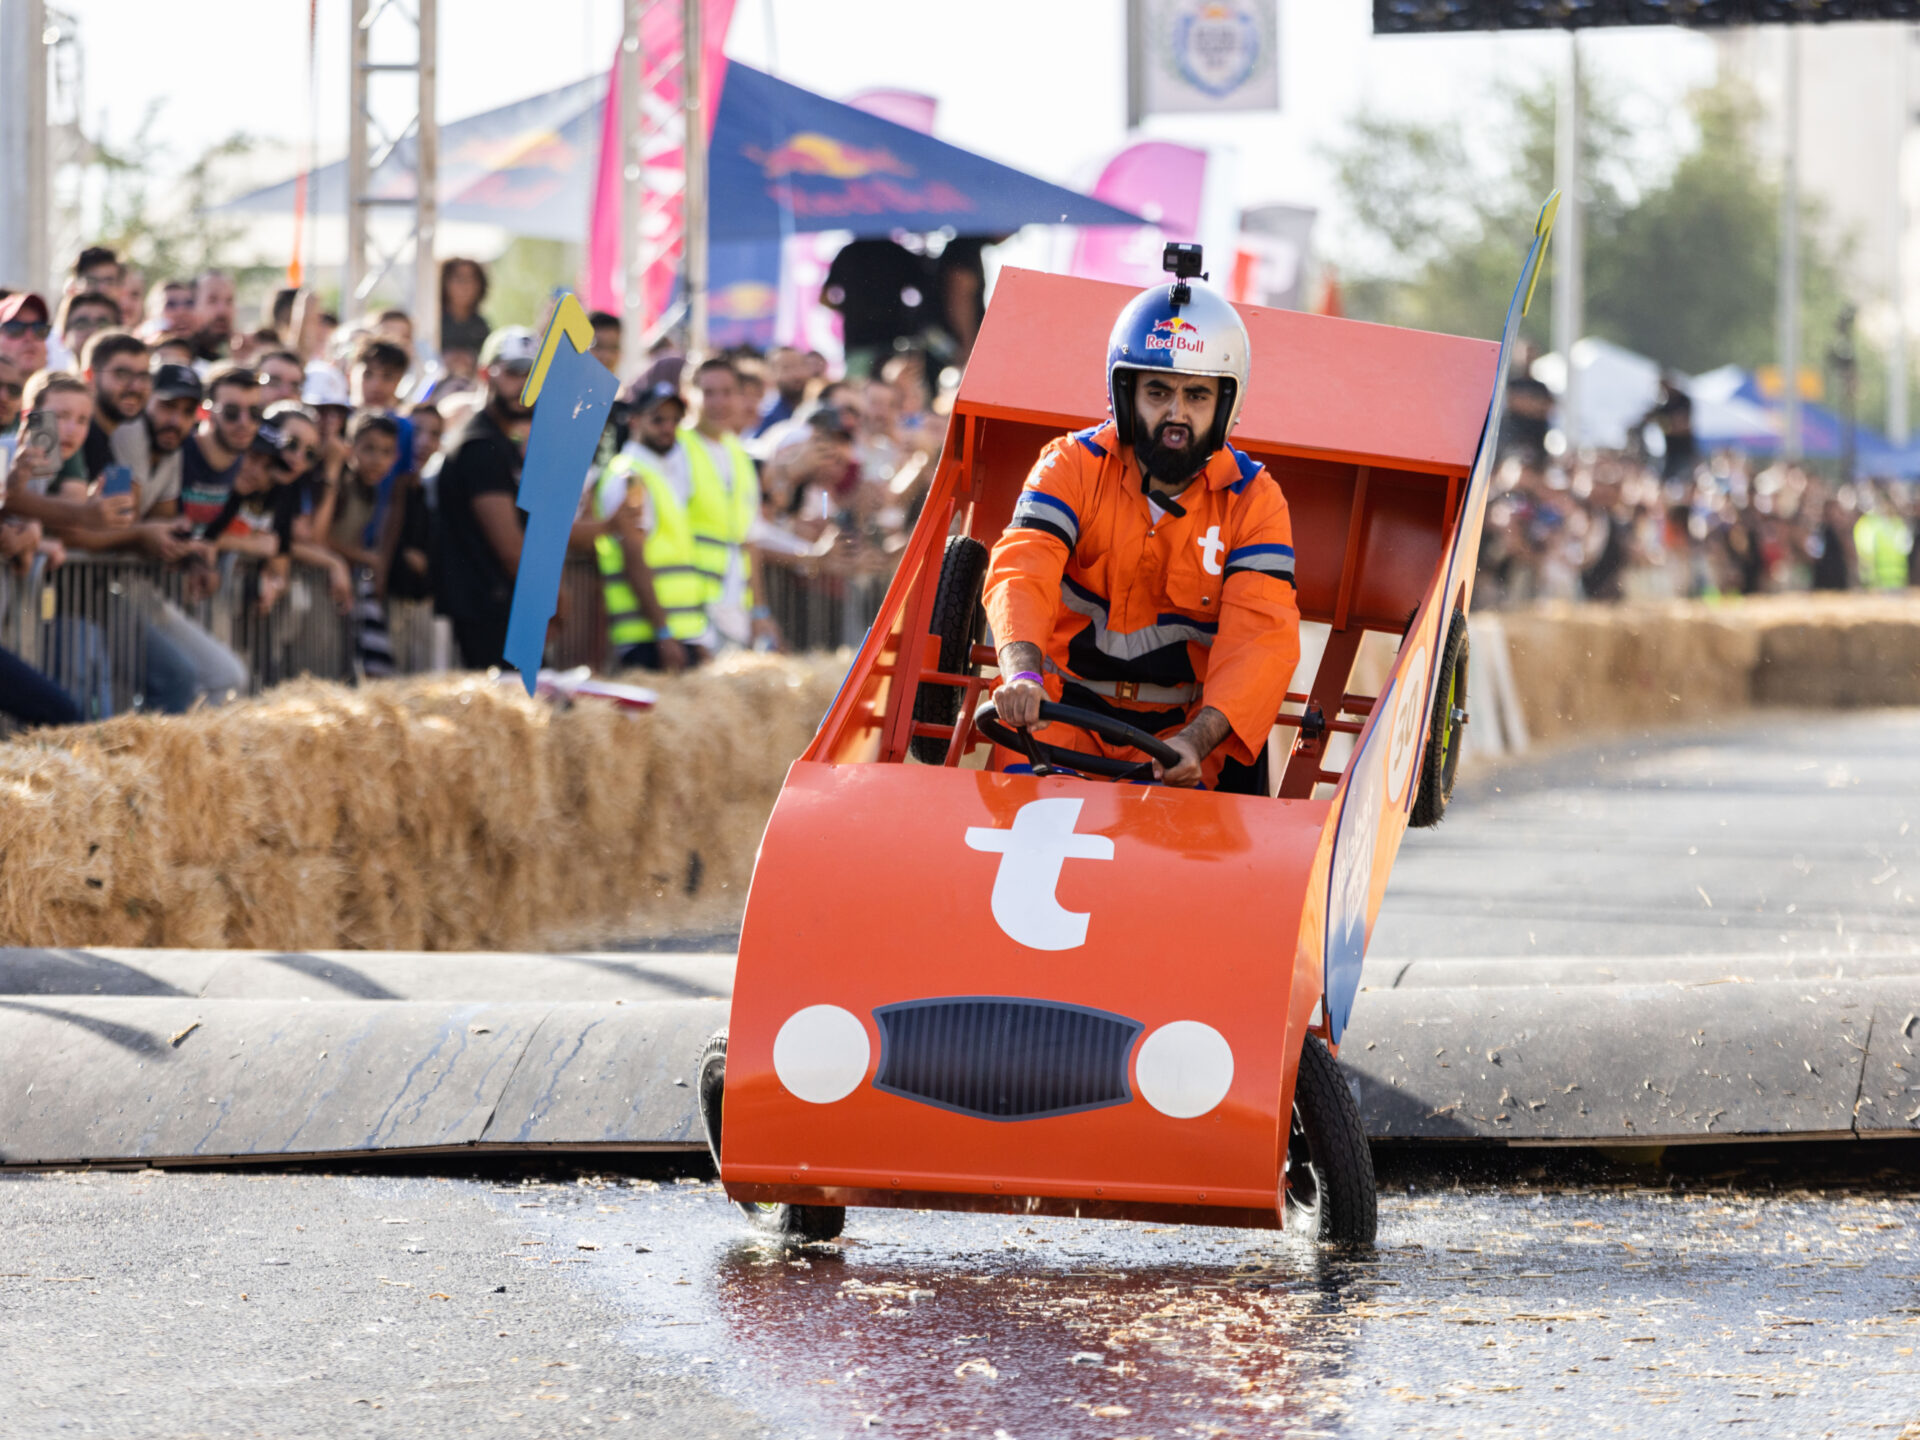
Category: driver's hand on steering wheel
<point>1187,772</point>
<point>1018,703</point>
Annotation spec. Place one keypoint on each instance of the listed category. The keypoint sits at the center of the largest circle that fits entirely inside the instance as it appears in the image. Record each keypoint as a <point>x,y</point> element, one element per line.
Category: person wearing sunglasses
<point>303,474</point>
<point>24,329</point>
<point>229,419</point>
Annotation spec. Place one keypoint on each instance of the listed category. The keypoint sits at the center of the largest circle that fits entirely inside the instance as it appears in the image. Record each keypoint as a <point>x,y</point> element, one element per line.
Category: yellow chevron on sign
<point>1543,232</point>
<point>568,320</point>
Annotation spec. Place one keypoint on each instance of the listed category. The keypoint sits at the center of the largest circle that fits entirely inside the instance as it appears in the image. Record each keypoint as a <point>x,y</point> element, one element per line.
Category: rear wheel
<point>958,620</point>
<point>1441,762</point>
<point>1329,1169</point>
<point>803,1222</point>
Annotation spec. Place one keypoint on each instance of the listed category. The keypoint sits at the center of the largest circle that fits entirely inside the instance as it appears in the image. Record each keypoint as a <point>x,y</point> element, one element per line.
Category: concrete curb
<point>185,1079</point>
<point>1667,1063</point>
<point>199,1056</point>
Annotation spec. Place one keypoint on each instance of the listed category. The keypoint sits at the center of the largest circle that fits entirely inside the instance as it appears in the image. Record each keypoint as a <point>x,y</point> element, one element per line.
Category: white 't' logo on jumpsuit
<point>1031,854</point>
<point>1210,549</point>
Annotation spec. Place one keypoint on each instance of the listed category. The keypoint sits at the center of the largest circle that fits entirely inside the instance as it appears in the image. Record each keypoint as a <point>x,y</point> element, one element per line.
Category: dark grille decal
<point>1004,1059</point>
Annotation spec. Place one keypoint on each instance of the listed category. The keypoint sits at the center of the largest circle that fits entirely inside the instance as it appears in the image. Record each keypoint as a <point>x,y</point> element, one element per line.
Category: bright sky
<point>1035,83</point>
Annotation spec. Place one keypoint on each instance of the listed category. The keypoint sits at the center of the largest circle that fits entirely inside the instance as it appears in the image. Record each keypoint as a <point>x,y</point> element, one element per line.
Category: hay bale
<point>1583,669</point>
<point>1840,651</point>
<point>434,813</point>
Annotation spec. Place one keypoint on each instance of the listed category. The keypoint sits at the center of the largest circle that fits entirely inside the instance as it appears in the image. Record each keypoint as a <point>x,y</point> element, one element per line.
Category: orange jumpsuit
<point>1171,615</point>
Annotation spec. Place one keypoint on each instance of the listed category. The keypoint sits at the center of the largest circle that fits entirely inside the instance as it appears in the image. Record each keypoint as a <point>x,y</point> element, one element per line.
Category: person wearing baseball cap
<point>476,544</point>
<point>150,446</point>
<point>25,323</point>
<point>656,597</point>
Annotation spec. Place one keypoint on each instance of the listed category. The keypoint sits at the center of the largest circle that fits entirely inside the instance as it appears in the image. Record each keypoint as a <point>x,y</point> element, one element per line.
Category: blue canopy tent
<point>527,167</point>
<point>782,160</point>
<point>1729,401</point>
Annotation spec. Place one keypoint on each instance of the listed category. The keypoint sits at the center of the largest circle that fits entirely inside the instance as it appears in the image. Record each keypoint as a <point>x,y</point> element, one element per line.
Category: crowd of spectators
<point>147,420</point>
<point>1660,519</point>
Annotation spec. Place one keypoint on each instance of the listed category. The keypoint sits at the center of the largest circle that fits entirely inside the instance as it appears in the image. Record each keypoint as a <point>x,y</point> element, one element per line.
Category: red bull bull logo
<point>1177,335</point>
<point>810,153</point>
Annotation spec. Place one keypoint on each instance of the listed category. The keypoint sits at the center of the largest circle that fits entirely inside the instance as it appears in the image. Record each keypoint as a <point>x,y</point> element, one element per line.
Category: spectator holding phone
<point>58,409</point>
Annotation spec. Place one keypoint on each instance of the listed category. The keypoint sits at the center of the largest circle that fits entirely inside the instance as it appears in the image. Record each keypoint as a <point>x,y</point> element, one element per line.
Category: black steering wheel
<point>1048,758</point>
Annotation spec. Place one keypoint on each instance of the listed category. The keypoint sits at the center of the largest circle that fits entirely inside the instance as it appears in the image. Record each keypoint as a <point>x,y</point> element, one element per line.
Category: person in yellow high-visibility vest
<point>725,506</point>
<point>1881,539</point>
<point>656,594</point>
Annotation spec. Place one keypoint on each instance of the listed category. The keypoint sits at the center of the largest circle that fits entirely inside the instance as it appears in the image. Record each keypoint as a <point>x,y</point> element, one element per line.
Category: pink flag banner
<point>659,35</point>
<point>1154,178</point>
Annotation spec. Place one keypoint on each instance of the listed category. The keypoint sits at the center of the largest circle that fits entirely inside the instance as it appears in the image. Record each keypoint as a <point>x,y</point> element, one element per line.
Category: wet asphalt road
<point>1760,1291</point>
<point>1530,1299</point>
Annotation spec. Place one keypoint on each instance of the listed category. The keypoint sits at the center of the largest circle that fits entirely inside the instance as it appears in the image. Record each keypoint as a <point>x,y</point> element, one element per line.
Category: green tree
<point>1682,271</point>
<point>183,233</point>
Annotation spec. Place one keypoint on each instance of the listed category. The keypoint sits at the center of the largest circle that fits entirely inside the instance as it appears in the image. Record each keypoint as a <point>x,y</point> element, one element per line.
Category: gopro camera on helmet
<point>1183,259</point>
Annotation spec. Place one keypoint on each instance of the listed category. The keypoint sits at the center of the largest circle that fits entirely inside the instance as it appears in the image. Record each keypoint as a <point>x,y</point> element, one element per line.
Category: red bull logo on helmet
<point>810,153</point>
<point>1175,334</point>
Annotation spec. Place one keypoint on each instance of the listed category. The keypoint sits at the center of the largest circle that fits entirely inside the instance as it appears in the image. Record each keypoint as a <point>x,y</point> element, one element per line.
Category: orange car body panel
<point>876,889</point>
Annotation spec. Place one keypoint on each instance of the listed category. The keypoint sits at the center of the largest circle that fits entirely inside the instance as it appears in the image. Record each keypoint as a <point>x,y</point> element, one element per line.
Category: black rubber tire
<point>957,620</point>
<point>1329,1167</point>
<point>1440,762</point>
<point>801,1222</point>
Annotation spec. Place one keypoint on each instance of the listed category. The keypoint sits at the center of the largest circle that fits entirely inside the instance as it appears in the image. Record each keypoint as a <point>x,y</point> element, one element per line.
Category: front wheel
<point>801,1222</point>
<point>1328,1173</point>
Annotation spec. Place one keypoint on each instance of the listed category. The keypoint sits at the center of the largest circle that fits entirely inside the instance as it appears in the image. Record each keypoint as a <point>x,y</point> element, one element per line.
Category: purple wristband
<point>1027,675</point>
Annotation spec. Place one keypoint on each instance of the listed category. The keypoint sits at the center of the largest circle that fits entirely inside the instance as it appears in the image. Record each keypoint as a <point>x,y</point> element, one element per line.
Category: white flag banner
<point>1208,55</point>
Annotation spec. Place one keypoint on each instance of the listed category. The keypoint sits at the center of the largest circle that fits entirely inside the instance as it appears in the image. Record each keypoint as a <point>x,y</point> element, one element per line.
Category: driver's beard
<point>1172,467</point>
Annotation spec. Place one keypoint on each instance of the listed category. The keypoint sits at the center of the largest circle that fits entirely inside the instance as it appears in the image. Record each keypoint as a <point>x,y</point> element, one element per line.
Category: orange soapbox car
<point>1052,994</point>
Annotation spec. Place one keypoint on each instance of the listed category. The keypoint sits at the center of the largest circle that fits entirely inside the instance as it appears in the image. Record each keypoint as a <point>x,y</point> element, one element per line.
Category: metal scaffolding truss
<point>391,230</point>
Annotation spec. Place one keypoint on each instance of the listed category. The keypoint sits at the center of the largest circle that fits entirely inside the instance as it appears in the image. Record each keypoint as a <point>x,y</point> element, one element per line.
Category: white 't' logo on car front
<point>1031,853</point>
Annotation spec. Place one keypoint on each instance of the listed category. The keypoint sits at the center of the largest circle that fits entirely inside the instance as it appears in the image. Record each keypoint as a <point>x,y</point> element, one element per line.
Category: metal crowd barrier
<point>86,623</point>
<point>815,609</point>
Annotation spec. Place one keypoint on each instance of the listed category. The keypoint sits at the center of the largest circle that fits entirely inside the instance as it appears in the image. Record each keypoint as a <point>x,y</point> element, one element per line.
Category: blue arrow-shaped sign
<point>570,392</point>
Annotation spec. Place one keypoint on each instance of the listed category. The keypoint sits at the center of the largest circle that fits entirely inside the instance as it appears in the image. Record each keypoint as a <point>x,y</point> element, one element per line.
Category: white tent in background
<point>1617,387</point>
<point>1616,390</point>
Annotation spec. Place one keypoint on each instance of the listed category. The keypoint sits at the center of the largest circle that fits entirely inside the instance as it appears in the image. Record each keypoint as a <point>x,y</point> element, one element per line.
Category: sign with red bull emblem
<point>810,153</point>
<point>1176,334</point>
<point>784,161</point>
